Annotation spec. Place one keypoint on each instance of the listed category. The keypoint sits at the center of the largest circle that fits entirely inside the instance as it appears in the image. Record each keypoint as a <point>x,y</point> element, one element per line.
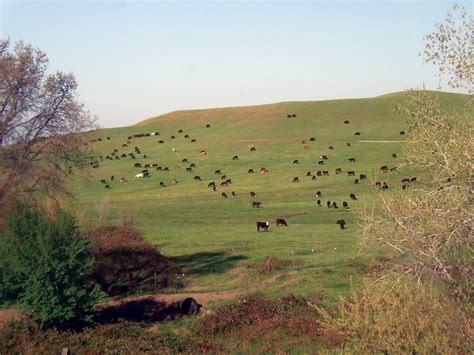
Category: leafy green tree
<point>44,266</point>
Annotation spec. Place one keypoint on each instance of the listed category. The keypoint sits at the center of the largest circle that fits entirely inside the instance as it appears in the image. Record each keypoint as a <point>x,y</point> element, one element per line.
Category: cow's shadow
<point>140,310</point>
<point>207,262</point>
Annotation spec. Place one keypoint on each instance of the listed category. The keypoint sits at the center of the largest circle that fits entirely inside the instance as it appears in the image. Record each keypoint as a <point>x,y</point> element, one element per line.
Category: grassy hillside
<point>215,239</point>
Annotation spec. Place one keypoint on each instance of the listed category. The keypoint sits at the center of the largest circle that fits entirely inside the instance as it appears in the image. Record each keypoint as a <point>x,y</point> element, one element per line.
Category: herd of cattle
<point>224,181</point>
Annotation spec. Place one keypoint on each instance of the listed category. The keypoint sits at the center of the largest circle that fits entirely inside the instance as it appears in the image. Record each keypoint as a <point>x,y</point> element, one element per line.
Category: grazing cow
<point>108,138</point>
<point>351,173</point>
<point>174,150</point>
<point>229,181</point>
<point>405,180</point>
<point>140,175</point>
<point>362,177</point>
<point>394,155</point>
<point>319,173</point>
<point>159,168</point>
<point>193,140</point>
<point>212,183</point>
<point>351,160</point>
<point>378,184</point>
<point>166,168</point>
<point>312,139</point>
<point>384,186</point>
<point>122,179</point>
<point>235,157</point>
<point>197,178</point>
<point>321,162</point>
<point>323,157</point>
<point>348,144</point>
<point>319,194</point>
<point>186,136</point>
<point>223,177</point>
<point>325,173</point>
<point>346,122</point>
<point>180,131</point>
<point>224,195</point>
<point>328,203</point>
<point>252,194</point>
<point>192,165</point>
<point>262,225</point>
<point>208,126</point>
<point>353,197</point>
<point>144,156</point>
<point>173,137</point>
<point>413,179</point>
<point>357,134</point>
<point>223,183</point>
<point>263,170</point>
<point>288,116</point>
<point>161,141</point>
<point>162,184</point>
<point>107,186</point>
<point>214,188</point>
<point>253,149</point>
<point>146,166</point>
<point>175,181</point>
<point>296,161</point>
<point>319,203</point>
<point>296,179</point>
<point>404,187</point>
<point>202,153</point>
<point>123,155</point>
<point>313,178</point>
<point>281,222</point>
<point>384,169</point>
<point>189,169</point>
<point>402,133</point>
<point>234,194</point>
<point>356,181</point>
<point>112,178</point>
<point>338,171</point>
<point>102,181</point>
<point>217,172</point>
<point>345,204</point>
<point>331,147</point>
<point>293,115</point>
<point>308,173</point>
<point>341,223</point>
<point>334,204</point>
<point>250,171</point>
<point>185,160</point>
<point>256,204</point>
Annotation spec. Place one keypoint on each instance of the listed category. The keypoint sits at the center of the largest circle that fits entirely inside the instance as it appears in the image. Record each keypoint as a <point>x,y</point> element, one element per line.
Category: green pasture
<point>215,239</point>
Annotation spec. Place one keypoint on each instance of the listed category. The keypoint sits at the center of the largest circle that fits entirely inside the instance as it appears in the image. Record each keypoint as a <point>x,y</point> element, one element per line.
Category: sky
<point>135,60</point>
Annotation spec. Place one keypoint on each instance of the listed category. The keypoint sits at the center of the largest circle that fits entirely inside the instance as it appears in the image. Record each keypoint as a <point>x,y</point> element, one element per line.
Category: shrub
<point>394,315</point>
<point>44,264</point>
<point>125,262</point>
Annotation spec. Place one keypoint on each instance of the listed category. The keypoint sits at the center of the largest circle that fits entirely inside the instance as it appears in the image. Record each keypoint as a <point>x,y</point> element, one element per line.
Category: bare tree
<point>41,121</point>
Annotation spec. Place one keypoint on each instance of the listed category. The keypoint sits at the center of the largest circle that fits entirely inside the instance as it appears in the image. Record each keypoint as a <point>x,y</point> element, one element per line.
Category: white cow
<point>152,134</point>
<point>140,176</point>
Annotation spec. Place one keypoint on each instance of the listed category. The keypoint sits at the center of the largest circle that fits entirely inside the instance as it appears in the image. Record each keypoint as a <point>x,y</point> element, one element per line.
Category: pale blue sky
<point>134,60</point>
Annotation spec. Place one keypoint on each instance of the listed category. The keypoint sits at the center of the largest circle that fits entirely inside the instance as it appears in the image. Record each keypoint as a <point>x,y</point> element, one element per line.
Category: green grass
<point>213,237</point>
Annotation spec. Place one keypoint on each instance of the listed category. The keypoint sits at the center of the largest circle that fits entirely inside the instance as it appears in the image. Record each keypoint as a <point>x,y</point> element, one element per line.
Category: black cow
<point>108,138</point>
<point>192,165</point>
<point>318,193</point>
<point>250,171</point>
<point>186,136</point>
<point>212,183</point>
<point>328,203</point>
<point>189,169</point>
<point>351,173</point>
<point>193,140</point>
<point>161,141</point>
<point>146,166</point>
<point>353,197</point>
<point>308,173</point>
<point>217,172</point>
<point>233,193</point>
<point>341,223</point>
<point>351,160</point>
<point>197,178</point>
<point>346,122</point>
<point>325,173</point>
<point>281,222</point>
<point>102,181</point>
<point>345,204</point>
<point>235,157</point>
<point>338,171</point>
<point>208,126</point>
<point>313,178</point>
<point>348,144</point>
<point>296,179</point>
<point>402,133</point>
<point>262,225</point>
<point>180,131</point>
<point>334,204</point>
<point>256,204</point>
<point>253,149</point>
<point>166,168</point>
<point>321,162</point>
<point>107,186</point>
<point>312,139</point>
<point>413,179</point>
<point>224,195</point>
<point>394,155</point>
<point>384,186</point>
<point>323,157</point>
<point>362,177</point>
<point>223,177</point>
<point>184,160</point>
<point>319,203</point>
<point>252,194</point>
<point>296,161</point>
<point>173,137</point>
<point>356,181</point>
<point>112,178</point>
<point>357,134</point>
<point>319,173</point>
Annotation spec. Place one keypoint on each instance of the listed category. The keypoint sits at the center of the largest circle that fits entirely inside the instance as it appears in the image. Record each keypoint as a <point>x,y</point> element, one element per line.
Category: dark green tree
<point>44,265</point>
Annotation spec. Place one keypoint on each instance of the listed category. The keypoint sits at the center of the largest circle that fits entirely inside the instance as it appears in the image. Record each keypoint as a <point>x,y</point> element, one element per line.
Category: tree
<point>44,265</point>
<point>40,125</point>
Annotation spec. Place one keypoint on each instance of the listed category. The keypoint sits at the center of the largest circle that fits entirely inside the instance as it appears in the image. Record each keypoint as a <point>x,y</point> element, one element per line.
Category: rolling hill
<point>214,238</point>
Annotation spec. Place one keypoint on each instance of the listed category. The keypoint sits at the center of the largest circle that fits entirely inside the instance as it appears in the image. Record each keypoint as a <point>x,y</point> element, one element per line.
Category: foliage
<point>125,262</point>
<point>394,315</point>
<point>44,263</point>
<point>40,118</point>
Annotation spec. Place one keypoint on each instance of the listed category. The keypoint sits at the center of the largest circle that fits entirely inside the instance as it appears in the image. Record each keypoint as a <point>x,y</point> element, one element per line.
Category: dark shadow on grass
<point>207,262</point>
